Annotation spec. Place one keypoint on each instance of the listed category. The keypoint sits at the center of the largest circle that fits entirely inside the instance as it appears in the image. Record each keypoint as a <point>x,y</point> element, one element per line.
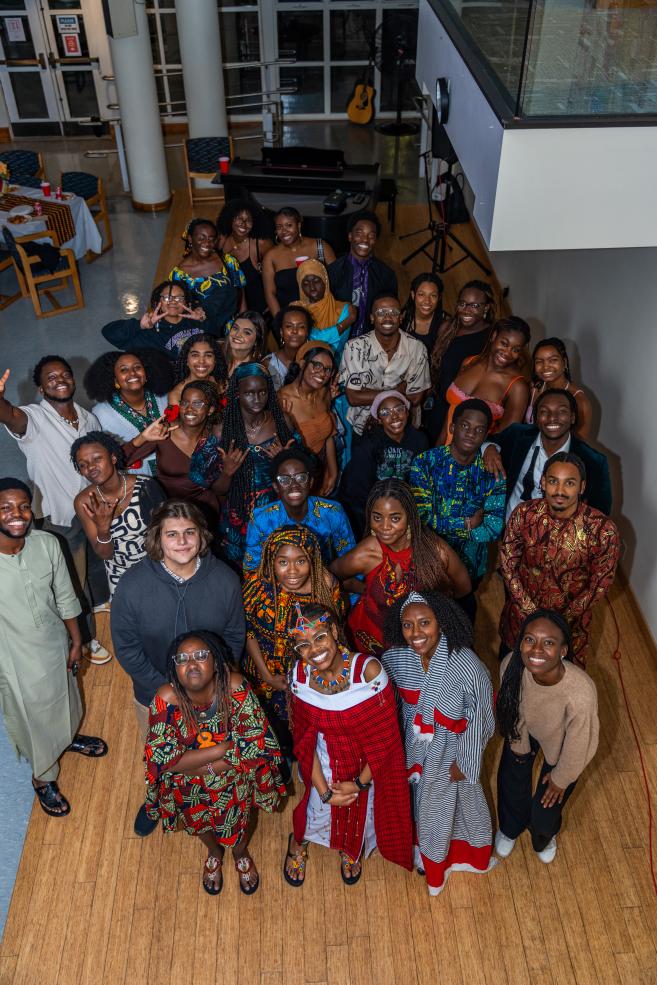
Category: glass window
<point>177,92</point>
<point>236,3</point>
<point>169,29</point>
<point>80,93</point>
<point>241,82</point>
<point>301,35</point>
<point>28,93</point>
<point>61,51</point>
<point>155,44</point>
<point>351,33</point>
<point>17,49</point>
<point>239,37</point>
<point>12,5</point>
<point>399,35</point>
<point>64,4</point>
<point>309,83</point>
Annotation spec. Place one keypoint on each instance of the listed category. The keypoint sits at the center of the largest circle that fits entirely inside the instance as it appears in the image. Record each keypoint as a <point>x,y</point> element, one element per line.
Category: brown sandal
<point>247,872</point>
<point>211,869</point>
<point>297,864</point>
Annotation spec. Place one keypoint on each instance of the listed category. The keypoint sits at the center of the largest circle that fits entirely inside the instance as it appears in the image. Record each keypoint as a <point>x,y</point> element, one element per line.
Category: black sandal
<point>88,745</point>
<point>299,860</point>
<point>50,799</point>
<point>347,865</point>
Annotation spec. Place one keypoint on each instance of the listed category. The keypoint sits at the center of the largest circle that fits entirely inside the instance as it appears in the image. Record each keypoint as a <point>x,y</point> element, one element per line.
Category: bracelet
<point>362,786</point>
<point>99,541</point>
<point>210,770</point>
<point>326,796</point>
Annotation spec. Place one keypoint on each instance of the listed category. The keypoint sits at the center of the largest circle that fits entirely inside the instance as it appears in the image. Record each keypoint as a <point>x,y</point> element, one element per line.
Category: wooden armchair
<point>37,281</point>
<point>202,162</point>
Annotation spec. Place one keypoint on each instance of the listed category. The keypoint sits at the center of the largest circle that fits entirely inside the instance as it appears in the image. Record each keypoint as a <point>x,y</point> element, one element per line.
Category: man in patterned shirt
<point>457,497</point>
<point>557,553</point>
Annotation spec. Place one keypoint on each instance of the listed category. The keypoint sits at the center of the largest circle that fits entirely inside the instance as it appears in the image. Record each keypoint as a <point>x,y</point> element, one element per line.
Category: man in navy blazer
<point>523,449</point>
<point>358,276</point>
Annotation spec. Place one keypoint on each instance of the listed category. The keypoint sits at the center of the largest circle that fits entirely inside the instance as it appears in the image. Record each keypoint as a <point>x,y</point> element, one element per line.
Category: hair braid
<point>446,339</point>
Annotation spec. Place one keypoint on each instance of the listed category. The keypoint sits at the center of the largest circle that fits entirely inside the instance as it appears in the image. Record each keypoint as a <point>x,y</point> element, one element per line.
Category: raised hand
<point>151,318</point>
<point>232,459</point>
<point>196,314</point>
<point>100,511</point>
<point>158,430</point>
<point>3,383</point>
<point>273,449</point>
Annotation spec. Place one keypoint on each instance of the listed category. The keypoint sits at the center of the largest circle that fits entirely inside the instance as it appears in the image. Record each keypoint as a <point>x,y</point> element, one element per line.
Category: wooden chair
<point>90,188</point>
<point>36,281</point>
<point>202,162</point>
<point>25,163</point>
<point>7,263</point>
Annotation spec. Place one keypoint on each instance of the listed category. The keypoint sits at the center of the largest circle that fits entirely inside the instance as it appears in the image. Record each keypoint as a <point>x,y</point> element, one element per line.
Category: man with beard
<point>359,276</point>
<point>381,360</point>
<point>41,648</point>
<point>557,553</point>
<point>45,432</point>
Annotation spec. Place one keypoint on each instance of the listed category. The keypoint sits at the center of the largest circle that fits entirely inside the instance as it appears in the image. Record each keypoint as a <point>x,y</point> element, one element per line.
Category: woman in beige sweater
<point>545,703</point>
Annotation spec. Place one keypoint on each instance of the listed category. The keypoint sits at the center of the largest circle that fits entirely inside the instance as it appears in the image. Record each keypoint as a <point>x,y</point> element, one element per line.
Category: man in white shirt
<point>383,359</point>
<point>45,432</point>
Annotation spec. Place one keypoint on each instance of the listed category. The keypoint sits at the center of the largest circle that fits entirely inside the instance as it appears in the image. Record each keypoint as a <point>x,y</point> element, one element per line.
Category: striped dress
<point>447,716</point>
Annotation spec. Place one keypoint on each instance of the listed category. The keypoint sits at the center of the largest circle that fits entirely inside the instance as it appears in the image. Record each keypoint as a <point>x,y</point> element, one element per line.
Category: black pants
<point>469,602</point>
<point>517,808</point>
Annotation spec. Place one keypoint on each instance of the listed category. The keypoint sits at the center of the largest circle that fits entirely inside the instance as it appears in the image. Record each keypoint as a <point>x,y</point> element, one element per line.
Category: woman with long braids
<point>214,277</point>
<point>236,468</point>
<point>131,389</point>
<point>551,371</point>
<point>210,756</point>
<point>447,713</point>
<point>459,337</point>
<point>175,444</point>
<point>290,572</point>
<point>548,704</point>
<point>398,556</point>
<point>201,358</point>
<point>347,743</point>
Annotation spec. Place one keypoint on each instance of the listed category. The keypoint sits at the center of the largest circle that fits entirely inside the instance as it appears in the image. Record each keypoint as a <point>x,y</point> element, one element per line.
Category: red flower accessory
<point>172,412</point>
<point>137,465</point>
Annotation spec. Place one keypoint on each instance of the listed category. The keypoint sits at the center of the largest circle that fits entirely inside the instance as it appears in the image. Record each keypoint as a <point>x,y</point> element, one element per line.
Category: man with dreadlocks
<point>254,430</point>
<point>290,571</point>
<point>210,755</point>
<point>447,712</point>
<point>545,703</point>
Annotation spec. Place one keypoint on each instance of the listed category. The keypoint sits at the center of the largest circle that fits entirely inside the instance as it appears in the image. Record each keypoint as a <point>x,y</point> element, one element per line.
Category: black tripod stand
<point>440,231</point>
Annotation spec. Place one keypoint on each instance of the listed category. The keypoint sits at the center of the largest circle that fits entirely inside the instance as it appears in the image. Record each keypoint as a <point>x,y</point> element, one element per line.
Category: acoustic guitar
<point>360,108</point>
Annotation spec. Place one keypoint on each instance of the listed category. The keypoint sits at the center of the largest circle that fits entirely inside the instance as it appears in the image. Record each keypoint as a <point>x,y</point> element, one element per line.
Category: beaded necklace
<point>339,682</point>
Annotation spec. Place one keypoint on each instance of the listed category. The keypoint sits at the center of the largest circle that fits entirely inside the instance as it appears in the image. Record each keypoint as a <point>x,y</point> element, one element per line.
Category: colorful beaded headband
<point>304,625</point>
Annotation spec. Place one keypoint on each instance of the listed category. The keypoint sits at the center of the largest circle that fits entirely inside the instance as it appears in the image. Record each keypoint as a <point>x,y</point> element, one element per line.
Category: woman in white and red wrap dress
<point>447,709</point>
<point>344,724</point>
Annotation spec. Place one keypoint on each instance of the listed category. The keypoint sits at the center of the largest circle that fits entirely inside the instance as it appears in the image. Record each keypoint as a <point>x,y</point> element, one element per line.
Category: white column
<point>200,54</point>
<point>140,118</point>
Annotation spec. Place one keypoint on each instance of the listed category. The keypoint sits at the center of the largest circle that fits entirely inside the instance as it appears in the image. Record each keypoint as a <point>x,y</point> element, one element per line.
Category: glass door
<point>25,74</point>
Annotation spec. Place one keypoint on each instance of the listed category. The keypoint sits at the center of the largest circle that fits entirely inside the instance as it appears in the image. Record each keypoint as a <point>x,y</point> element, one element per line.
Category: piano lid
<point>302,160</point>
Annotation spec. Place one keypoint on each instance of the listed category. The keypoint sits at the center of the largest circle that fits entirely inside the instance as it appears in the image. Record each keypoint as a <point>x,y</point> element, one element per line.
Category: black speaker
<point>441,146</point>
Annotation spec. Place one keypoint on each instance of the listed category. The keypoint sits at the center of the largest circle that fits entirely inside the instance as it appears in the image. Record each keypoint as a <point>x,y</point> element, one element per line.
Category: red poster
<point>72,44</point>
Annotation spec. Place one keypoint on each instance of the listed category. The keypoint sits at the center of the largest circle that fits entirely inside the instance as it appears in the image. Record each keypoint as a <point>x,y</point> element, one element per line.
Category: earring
<point>116,385</point>
<point>408,533</point>
<point>372,534</point>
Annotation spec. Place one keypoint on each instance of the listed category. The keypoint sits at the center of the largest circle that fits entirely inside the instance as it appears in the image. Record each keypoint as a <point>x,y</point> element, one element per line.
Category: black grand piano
<point>304,177</point>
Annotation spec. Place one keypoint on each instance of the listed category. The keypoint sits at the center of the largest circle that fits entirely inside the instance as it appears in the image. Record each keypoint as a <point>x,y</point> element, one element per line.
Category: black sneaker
<point>143,824</point>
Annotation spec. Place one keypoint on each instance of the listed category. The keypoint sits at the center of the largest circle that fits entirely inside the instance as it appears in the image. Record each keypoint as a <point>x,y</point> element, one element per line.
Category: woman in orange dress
<point>496,377</point>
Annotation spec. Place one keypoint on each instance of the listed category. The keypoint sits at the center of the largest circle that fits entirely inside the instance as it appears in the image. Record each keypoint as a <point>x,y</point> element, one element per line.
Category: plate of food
<point>67,196</point>
<point>18,220</point>
<point>21,210</point>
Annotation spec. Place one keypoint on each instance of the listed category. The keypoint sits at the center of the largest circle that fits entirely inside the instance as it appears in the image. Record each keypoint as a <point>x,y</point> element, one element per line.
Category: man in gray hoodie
<point>178,587</point>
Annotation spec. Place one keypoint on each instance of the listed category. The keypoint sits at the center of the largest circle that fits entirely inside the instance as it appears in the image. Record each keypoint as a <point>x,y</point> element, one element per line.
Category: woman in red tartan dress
<point>346,740</point>
<point>210,755</point>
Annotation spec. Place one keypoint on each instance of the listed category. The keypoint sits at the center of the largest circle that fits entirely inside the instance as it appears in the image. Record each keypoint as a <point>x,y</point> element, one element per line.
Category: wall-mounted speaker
<point>120,18</point>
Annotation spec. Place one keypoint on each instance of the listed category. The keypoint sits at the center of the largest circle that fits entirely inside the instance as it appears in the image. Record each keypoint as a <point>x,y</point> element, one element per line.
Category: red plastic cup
<point>300,260</point>
<point>45,189</point>
<point>224,163</point>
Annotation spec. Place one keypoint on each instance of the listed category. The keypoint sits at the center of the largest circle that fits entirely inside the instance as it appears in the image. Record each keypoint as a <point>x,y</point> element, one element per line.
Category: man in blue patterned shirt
<point>455,494</point>
<point>292,476</point>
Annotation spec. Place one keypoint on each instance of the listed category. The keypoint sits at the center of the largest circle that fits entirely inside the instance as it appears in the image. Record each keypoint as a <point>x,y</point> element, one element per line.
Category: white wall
<point>603,304</point>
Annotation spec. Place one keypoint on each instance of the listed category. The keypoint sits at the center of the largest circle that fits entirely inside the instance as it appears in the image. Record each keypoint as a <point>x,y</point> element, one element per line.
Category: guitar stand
<point>440,234</point>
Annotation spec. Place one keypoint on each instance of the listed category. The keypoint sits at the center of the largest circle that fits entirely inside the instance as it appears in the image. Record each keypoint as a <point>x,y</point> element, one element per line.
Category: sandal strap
<point>212,863</point>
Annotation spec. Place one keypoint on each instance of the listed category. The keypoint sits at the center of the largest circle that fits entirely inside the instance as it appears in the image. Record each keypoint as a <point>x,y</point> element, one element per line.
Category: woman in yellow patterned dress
<point>213,277</point>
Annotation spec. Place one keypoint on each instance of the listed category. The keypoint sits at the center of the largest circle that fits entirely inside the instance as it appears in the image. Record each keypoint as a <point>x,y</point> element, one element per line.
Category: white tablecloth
<point>87,235</point>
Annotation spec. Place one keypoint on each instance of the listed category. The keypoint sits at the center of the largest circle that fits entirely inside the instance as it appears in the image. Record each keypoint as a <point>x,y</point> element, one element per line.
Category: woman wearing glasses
<point>307,401</point>
<point>210,756</point>
<point>172,318</point>
<point>386,451</point>
<point>347,743</point>
<point>290,572</point>
<point>292,472</point>
<point>459,337</point>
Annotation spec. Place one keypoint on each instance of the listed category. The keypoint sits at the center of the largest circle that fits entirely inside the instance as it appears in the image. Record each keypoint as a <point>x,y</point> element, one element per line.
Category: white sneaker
<point>503,845</point>
<point>548,853</point>
<point>96,653</point>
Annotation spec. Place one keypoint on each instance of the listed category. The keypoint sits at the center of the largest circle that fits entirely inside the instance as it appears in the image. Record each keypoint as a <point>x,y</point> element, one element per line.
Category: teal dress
<point>337,340</point>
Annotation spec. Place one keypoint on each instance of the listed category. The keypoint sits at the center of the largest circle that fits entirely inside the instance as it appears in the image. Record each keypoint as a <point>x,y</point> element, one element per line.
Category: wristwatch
<point>326,796</point>
<point>362,786</point>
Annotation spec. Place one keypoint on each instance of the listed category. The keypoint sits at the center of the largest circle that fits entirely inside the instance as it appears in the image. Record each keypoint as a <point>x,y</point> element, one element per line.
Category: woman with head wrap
<point>332,318</point>
<point>236,467</point>
<point>447,716</point>
<point>290,572</point>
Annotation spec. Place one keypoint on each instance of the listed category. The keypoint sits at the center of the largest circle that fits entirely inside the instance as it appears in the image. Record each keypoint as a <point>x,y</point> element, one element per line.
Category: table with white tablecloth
<point>87,234</point>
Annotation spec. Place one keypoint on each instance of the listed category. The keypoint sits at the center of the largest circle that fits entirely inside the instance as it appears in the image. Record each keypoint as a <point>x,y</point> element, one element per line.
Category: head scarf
<point>312,344</point>
<point>326,313</point>
<point>249,369</point>
<point>289,536</point>
<point>378,400</point>
<point>413,598</point>
<point>10,483</point>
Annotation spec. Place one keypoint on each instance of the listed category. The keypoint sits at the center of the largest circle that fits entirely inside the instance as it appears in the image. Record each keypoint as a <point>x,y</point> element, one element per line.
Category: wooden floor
<point>94,904</point>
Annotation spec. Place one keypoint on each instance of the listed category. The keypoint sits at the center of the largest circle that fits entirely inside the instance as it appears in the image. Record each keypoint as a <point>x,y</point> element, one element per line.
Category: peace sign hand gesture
<point>196,314</point>
<point>151,318</point>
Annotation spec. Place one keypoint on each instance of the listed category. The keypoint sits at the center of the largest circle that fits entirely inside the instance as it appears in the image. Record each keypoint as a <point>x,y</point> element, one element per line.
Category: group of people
<point>287,493</point>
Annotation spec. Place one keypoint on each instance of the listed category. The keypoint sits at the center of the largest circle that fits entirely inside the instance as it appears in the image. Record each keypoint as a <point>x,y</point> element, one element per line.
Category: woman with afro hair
<point>131,392</point>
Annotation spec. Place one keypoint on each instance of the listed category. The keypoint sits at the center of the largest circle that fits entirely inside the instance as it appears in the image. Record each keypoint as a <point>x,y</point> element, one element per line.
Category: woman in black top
<point>243,232</point>
<point>172,318</point>
<point>387,449</point>
<point>423,313</point>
